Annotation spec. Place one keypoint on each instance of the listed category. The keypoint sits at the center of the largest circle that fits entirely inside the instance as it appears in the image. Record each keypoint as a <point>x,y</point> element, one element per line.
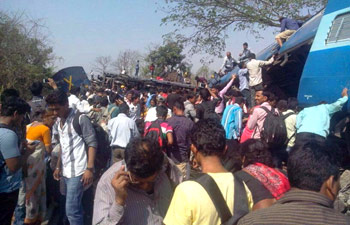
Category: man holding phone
<point>137,190</point>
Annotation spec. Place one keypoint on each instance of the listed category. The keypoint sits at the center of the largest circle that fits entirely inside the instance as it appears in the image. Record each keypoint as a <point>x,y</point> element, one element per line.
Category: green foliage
<point>24,54</point>
<point>169,54</point>
<point>209,21</point>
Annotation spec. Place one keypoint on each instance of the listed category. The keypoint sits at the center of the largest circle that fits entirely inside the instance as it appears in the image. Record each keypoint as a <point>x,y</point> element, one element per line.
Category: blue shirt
<point>316,119</point>
<point>9,182</point>
<point>289,24</point>
<point>243,81</point>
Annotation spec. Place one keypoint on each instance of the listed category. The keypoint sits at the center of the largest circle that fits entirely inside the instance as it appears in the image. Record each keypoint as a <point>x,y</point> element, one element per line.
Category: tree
<point>204,71</point>
<point>102,64</point>
<point>24,53</point>
<point>169,54</point>
<point>208,21</point>
<point>127,60</point>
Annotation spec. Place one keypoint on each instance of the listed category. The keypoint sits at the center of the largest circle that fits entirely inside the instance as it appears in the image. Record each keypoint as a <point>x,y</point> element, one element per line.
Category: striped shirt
<point>140,207</point>
<point>73,147</point>
<point>298,207</point>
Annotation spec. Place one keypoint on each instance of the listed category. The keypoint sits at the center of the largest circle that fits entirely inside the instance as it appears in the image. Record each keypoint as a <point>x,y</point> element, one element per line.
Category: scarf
<point>272,179</point>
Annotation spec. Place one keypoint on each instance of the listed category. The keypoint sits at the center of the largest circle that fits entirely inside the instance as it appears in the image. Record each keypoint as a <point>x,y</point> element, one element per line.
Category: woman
<point>266,183</point>
<point>36,167</point>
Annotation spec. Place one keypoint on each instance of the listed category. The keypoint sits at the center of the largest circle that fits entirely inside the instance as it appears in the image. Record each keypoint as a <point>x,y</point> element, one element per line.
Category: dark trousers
<point>8,202</point>
<point>305,136</point>
<point>246,95</point>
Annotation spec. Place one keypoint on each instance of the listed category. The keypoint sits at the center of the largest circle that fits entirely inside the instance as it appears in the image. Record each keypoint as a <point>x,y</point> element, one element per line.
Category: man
<point>290,121</point>
<point>37,103</point>
<point>255,75</point>
<point>121,129</point>
<point>316,119</point>
<point>191,203</point>
<point>232,120</point>
<point>166,132</point>
<point>257,119</point>
<point>314,176</point>
<point>244,56</point>
<point>77,155</point>
<point>190,111</point>
<point>137,68</point>
<point>243,82</point>
<point>229,63</point>
<point>182,126</point>
<point>113,107</point>
<point>288,28</point>
<point>135,108</point>
<point>137,190</point>
<point>151,68</point>
<point>12,156</point>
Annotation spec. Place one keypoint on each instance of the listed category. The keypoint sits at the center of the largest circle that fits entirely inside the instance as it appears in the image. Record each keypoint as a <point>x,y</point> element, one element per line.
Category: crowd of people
<point>227,154</point>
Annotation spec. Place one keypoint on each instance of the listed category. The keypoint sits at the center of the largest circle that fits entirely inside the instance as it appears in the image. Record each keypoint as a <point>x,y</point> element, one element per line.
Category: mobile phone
<point>45,80</point>
<point>36,142</point>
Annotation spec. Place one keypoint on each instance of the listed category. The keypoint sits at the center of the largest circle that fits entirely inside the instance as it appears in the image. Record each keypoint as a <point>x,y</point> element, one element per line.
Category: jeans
<point>8,203</point>
<point>74,195</point>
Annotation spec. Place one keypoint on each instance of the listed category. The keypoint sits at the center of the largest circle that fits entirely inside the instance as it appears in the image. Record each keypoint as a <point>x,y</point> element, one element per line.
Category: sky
<point>81,30</point>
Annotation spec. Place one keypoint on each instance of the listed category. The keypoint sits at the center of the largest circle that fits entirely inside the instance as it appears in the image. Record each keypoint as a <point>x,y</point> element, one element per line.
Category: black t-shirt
<point>257,189</point>
<point>206,109</point>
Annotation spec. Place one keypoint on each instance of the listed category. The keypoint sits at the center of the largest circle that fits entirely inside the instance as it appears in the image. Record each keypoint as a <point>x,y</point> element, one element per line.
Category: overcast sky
<point>81,30</point>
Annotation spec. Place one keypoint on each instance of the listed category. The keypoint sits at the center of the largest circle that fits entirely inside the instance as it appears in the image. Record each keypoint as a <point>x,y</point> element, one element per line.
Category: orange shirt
<point>39,132</point>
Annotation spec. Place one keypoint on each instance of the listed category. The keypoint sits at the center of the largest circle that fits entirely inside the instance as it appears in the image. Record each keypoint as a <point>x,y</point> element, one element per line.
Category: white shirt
<point>73,101</point>
<point>255,70</point>
<point>135,111</point>
<point>228,63</point>
<point>121,129</point>
<point>84,107</point>
<point>152,114</point>
<point>73,153</point>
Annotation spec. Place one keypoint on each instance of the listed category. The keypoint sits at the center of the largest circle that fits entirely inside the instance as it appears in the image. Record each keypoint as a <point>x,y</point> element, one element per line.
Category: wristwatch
<point>91,169</point>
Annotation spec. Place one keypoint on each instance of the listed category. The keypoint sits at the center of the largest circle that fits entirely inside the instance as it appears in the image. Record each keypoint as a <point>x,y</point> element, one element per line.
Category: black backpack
<point>154,132</point>
<point>274,129</point>
<point>103,150</point>
<point>240,207</point>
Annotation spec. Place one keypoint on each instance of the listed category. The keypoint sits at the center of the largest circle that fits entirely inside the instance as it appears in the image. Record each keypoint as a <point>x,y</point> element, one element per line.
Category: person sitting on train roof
<point>288,28</point>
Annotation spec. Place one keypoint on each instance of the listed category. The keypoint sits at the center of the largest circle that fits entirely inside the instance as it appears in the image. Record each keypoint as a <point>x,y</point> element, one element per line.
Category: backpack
<point>240,207</point>
<point>103,150</point>
<point>274,128</point>
<point>154,132</point>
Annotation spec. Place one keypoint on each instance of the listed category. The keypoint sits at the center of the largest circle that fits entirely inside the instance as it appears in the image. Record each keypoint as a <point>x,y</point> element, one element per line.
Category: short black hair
<point>14,104</point>
<point>124,108</point>
<point>252,56</point>
<point>205,94</point>
<point>36,88</point>
<point>57,97</point>
<point>208,136</point>
<point>239,100</point>
<point>75,90</point>
<point>281,18</point>
<point>104,102</point>
<point>10,92</point>
<point>293,103</point>
<point>245,43</point>
<point>282,105</point>
<point>270,96</point>
<point>112,97</point>
<point>179,105</point>
<point>256,151</point>
<point>162,111</point>
<point>310,164</point>
<point>190,95</point>
<point>143,157</point>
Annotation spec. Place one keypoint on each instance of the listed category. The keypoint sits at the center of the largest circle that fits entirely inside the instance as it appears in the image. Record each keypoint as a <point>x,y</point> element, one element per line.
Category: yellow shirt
<point>192,205</point>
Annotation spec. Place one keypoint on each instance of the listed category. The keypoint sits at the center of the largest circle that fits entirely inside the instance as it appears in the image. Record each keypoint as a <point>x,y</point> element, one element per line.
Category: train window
<point>340,29</point>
